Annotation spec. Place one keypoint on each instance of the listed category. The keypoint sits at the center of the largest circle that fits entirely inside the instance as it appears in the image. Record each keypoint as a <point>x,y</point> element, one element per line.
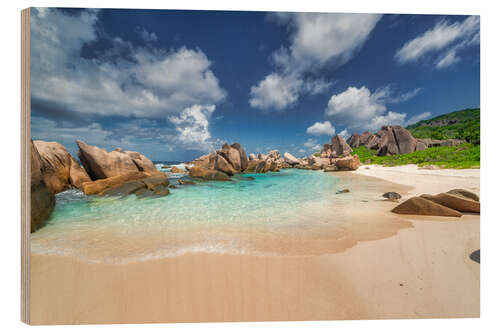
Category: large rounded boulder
<point>405,141</point>
<point>395,140</point>
<point>422,206</point>
<point>232,156</point>
<point>464,193</point>
<point>230,159</point>
<point>262,166</point>
<point>141,162</point>
<point>340,146</point>
<point>208,174</point>
<point>100,185</point>
<point>243,155</point>
<point>42,199</point>
<point>140,183</point>
<point>455,202</point>
<point>348,163</point>
<point>60,170</point>
<point>219,163</point>
<point>354,141</point>
<point>101,164</point>
<point>290,159</point>
<point>372,142</point>
<point>387,142</point>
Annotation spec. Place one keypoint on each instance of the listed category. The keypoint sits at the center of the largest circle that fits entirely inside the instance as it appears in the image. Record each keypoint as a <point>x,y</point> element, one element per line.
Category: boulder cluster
<point>452,203</point>
<point>335,156</point>
<point>101,164</point>
<point>119,172</point>
<point>220,164</point>
<point>395,140</point>
<point>272,161</point>
<point>232,159</point>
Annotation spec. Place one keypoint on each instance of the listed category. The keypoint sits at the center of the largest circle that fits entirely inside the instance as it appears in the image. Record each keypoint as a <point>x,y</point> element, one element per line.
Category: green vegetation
<point>460,157</point>
<point>464,124</point>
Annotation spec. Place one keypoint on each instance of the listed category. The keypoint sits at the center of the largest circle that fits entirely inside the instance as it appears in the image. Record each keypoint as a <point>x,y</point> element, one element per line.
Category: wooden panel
<point>25,166</point>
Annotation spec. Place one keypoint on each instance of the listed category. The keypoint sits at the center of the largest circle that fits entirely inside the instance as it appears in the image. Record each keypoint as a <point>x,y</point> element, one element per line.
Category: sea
<point>252,214</point>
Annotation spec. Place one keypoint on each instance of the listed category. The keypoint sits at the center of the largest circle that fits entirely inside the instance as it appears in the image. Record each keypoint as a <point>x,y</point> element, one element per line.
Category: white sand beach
<point>424,180</point>
<point>423,271</point>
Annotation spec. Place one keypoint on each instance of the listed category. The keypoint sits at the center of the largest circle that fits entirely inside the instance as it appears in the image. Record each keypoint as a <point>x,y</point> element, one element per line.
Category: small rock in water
<point>172,186</point>
<point>392,196</point>
<point>186,182</point>
<point>346,190</point>
<point>166,166</point>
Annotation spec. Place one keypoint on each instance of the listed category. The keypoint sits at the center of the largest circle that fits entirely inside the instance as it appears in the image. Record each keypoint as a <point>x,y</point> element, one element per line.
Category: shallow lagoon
<point>288,212</point>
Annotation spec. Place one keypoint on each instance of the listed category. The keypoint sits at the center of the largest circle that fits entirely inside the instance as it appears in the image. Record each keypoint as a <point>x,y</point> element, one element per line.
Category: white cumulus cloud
<point>318,40</point>
<point>192,124</point>
<point>124,80</point>
<point>275,92</point>
<point>391,118</point>
<point>324,128</point>
<point>355,107</point>
<point>360,109</point>
<point>153,83</point>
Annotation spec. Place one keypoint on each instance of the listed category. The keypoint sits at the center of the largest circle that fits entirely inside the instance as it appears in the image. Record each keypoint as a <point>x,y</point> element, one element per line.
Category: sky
<point>175,85</point>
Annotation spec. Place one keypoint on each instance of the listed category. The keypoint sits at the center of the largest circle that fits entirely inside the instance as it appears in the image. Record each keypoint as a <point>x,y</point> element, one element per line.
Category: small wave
<point>72,195</point>
<point>181,166</point>
<point>95,258</point>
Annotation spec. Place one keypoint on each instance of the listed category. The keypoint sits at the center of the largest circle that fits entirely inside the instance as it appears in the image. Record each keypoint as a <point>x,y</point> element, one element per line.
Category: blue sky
<point>177,84</point>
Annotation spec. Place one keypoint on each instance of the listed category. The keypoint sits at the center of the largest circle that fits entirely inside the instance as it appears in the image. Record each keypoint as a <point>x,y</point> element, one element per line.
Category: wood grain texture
<point>25,166</point>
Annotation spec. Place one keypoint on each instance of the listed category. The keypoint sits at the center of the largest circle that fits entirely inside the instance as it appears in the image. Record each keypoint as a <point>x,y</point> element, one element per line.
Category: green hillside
<point>459,157</point>
<point>463,124</point>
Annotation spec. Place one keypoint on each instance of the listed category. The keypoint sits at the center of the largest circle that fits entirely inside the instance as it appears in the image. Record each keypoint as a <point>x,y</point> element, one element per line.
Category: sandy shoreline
<point>420,272</point>
<point>423,180</point>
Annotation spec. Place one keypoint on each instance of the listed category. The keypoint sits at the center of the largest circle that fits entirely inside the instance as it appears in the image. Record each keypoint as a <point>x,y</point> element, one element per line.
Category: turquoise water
<point>208,216</point>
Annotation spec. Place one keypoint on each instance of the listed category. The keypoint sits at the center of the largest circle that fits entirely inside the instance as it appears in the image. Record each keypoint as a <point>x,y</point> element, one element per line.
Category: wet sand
<point>412,268</point>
